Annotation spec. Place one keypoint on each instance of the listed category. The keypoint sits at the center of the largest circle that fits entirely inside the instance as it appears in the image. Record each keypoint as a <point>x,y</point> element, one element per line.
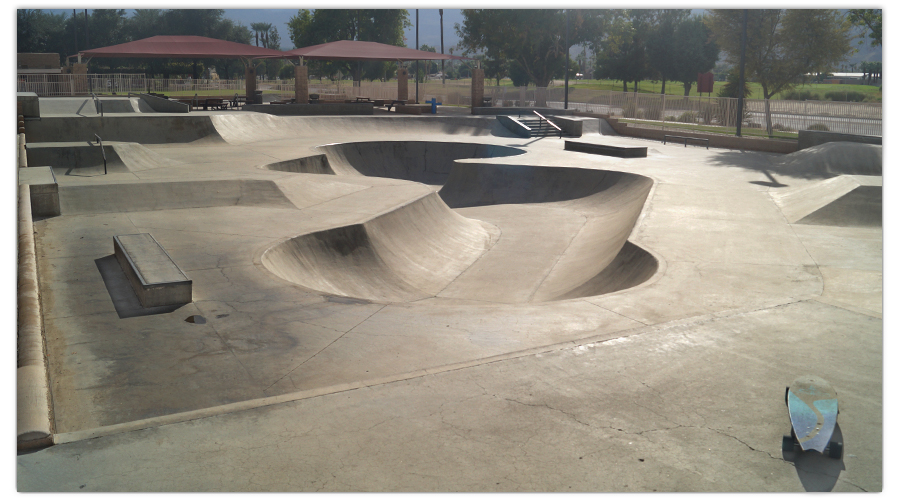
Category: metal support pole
<point>417,61</point>
<point>740,110</point>
<point>566,101</point>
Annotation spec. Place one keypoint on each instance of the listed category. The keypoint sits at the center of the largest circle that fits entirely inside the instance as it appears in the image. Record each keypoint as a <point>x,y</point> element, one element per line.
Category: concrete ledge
<point>607,150</point>
<point>22,152</point>
<point>33,411</point>
<point>161,105</point>
<point>515,126</point>
<point>154,276</point>
<point>412,109</point>
<point>783,146</point>
<point>516,111</point>
<point>44,190</point>
<point>577,125</point>
<point>31,106</point>
<point>810,138</point>
<point>363,108</point>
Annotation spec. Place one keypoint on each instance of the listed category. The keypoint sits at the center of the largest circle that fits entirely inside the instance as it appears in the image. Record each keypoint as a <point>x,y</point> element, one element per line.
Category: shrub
<point>845,96</point>
<point>803,95</point>
<point>687,117</point>
<point>818,126</point>
<point>783,128</point>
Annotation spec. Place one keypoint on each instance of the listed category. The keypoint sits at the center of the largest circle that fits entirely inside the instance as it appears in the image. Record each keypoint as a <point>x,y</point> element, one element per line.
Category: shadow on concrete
<point>817,472</point>
<point>772,182</point>
<point>123,297</point>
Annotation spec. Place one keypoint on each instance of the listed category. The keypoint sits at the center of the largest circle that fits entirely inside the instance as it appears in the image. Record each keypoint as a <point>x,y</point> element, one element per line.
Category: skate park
<point>434,303</point>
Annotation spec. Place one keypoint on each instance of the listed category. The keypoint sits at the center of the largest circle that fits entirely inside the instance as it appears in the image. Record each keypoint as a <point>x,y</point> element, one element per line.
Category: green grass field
<point>872,92</point>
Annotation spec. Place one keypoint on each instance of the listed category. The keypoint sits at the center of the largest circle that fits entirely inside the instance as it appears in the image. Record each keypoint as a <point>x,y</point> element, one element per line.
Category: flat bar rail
<point>102,151</point>
<point>685,139</point>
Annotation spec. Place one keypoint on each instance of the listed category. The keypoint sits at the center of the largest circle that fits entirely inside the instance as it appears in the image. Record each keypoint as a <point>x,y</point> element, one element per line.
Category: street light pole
<point>566,101</point>
<point>417,61</point>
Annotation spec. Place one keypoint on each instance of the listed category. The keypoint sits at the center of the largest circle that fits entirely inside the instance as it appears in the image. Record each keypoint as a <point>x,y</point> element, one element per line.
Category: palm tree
<point>443,78</point>
<point>264,29</point>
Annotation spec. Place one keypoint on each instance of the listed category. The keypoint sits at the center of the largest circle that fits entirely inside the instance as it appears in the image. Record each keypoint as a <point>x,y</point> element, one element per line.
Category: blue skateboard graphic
<point>813,406</point>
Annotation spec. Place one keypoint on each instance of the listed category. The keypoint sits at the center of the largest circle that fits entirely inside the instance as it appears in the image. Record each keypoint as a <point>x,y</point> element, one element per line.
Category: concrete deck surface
<point>492,366</point>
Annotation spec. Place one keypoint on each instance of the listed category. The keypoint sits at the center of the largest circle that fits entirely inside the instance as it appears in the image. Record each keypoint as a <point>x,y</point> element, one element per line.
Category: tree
<point>495,69</point>
<point>261,28</point>
<point>662,52</point>
<point>533,39</point>
<point>42,32</point>
<point>620,55</point>
<point>783,46</point>
<point>732,87</point>
<point>871,19</point>
<point>108,27</point>
<point>330,25</point>
<point>680,54</point>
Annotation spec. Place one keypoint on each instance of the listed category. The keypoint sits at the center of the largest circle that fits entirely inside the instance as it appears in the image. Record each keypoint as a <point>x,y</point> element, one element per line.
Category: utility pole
<point>740,116</point>
<point>75,28</point>
<point>566,101</point>
<point>443,78</point>
<point>87,42</point>
<point>417,61</point>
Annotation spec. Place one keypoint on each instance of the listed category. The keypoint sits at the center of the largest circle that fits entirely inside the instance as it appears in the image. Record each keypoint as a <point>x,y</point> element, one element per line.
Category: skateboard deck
<point>813,407</point>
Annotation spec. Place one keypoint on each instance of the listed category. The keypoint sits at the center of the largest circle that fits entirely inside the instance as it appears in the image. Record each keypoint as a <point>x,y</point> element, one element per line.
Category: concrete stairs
<point>531,126</point>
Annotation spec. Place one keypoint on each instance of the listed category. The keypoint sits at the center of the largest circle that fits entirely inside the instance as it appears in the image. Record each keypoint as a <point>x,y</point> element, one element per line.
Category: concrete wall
<point>810,138</point>
<point>161,105</point>
<point>312,109</point>
<point>33,410</point>
<point>784,146</point>
<point>31,106</point>
<point>515,111</point>
<point>37,61</point>
<point>577,125</point>
<point>514,125</point>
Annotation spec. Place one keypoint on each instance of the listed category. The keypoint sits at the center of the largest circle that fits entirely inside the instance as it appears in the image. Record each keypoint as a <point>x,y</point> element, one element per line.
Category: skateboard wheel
<point>787,443</point>
<point>836,449</point>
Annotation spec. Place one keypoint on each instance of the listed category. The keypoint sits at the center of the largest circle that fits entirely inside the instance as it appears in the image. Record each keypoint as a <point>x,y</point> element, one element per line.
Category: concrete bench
<point>607,150</point>
<point>154,276</point>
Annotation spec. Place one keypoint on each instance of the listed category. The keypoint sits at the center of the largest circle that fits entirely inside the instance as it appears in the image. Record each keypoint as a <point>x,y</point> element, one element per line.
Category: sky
<point>429,19</point>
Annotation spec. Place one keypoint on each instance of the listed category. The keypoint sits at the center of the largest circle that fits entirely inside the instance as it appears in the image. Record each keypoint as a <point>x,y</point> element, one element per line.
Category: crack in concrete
<point>545,405</point>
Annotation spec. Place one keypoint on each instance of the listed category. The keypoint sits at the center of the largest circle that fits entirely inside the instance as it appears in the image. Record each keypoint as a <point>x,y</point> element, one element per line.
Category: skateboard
<point>813,406</point>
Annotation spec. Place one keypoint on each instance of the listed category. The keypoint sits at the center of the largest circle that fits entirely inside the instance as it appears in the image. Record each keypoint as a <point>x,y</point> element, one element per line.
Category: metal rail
<point>542,117</point>
<point>98,105</point>
<point>102,151</point>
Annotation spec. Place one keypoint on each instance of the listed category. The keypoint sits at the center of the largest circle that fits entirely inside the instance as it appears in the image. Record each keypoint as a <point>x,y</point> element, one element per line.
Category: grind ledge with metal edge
<point>607,150</point>
<point>154,276</point>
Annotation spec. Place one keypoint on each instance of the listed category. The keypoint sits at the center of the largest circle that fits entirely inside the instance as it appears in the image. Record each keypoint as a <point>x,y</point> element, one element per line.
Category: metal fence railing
<point>646,110</point>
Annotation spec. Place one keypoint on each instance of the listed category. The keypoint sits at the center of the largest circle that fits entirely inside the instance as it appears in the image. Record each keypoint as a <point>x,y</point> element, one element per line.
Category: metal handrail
<point>98,106</point>
<point>102,151</point>
<point>548,121</point>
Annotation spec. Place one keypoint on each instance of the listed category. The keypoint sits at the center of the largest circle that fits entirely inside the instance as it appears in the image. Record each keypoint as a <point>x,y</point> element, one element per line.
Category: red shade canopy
<point>351,50</point>
<point>188,47</point>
